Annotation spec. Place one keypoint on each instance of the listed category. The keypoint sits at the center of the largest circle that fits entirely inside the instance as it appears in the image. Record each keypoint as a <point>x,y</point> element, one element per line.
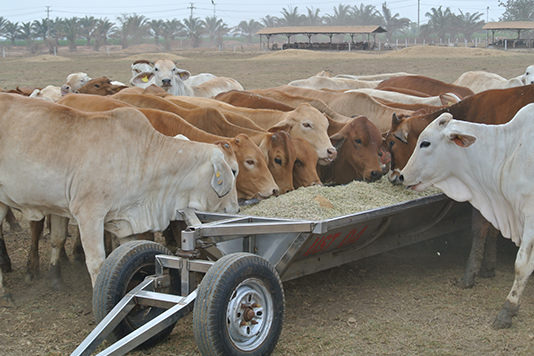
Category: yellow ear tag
<point>218,174</point>
<point>219,182</point>
<point>144,79</point>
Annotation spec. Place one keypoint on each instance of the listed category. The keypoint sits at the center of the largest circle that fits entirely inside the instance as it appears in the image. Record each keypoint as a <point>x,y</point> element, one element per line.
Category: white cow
<point>321,82</point>
<point>84,166</point>
<point>140,66</point>
<point>480,80</point>
<point>398,97</point>
<point>173,80</point>
<point>382,76</point>
<point>198,79</point>
<point>490,166</point>
<point>50,93</point>
<point>74,82</point>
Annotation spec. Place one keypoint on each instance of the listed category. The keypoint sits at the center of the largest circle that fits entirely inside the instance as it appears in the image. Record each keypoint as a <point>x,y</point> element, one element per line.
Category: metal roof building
<point>508,26</point>
<point>319,30</point>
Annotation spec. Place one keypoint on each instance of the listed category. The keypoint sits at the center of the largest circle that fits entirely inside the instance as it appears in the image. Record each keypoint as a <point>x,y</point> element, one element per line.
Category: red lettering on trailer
<point>322,243</point>
<point>353,236</point>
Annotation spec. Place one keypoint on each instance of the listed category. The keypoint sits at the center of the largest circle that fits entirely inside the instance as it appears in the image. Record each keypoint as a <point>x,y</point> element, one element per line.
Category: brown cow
<point>359,146</point>
<point>425,85</point>
<point>247,99</point>
<point>100,86</point>
<point>305,168</point>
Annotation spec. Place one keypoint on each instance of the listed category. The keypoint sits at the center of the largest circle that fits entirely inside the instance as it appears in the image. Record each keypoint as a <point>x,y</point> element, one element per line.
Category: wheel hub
<point>249,314</point>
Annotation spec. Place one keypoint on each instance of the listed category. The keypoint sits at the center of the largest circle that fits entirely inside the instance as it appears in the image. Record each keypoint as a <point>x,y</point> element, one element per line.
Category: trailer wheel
<point>239,308</point>
<point>123,269</point>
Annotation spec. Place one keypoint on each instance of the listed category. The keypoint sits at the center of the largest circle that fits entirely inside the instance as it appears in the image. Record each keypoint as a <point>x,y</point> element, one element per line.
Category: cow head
<point>359,147</point>
<point>400,142</point>
<point>304,170</point>
<point>279,151</point>
<point>141,66</point>
<point>101,86</point>
<point>433,162</point>
<point>254,180</point>
<point>528,76</point>
<point>165,75</point>
<point>311,125</point>
<point>74,82</point>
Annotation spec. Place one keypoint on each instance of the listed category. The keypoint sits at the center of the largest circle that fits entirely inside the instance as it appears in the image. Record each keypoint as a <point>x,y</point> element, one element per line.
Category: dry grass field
<point>403,302</point>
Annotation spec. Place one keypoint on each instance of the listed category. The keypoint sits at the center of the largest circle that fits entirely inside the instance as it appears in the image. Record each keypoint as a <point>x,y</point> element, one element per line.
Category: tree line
<point>442,22</point>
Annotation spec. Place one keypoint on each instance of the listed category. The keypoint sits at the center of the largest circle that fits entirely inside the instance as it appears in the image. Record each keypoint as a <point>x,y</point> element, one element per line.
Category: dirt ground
<point>403,302</point>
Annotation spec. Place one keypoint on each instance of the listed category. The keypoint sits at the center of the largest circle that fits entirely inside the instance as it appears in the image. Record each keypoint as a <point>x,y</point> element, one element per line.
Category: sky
<point>231,11</point>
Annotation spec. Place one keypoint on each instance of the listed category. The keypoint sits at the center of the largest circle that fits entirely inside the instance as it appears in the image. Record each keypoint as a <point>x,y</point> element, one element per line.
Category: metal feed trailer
<point>142,289</point>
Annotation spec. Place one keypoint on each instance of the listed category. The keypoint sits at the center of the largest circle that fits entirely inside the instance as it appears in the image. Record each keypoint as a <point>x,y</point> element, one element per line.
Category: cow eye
<point>424,144</point>
<point>137,70</point>
<point>97,85</point>
<point>299,163</point>
<point>391,143</point>
<point>234,172</point>
<point>250,162</point>
<point>277,160</point>
<point>358,141</point>
<point>174,69</point>
<point>306,124</point>
<point>156,69</point>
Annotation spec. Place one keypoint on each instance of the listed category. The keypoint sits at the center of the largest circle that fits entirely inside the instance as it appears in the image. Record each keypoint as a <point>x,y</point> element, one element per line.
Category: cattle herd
<point>123,158</point>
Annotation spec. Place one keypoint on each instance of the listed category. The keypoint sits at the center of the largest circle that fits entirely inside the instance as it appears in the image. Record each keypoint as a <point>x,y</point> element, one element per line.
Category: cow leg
<point>32,265</point>
<point>5,261</point>
<point>14,225</point>
<point>479,230</point>
<point>92,236</point>
<point>487,270</point>
<point>5,298</point>
<point>58,235</point>
<point>524,265</point>
<point>77,249</point>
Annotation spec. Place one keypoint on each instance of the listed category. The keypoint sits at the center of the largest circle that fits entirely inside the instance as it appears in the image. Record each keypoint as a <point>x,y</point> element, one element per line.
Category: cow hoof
<point>486,273</point>
<point>466,283</point>
<point>63,255</point>
<point>6,266</point>
<point>6,301</point>
<point>55,278</point>
<point>57,285</point>
<point>32,271</point>
<point>503,320</point>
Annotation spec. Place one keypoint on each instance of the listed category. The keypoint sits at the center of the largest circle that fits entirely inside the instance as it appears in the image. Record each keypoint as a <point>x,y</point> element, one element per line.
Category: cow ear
<point>462,140</point>
<point>395,120</point>
<point>142,79</point>
<point>449,99</point>
<point>183,74</point>
<point>281,126</point>
<point>223,178</point>
<point>337,141</point>
<point>444,119</point>
<point>402,135</point>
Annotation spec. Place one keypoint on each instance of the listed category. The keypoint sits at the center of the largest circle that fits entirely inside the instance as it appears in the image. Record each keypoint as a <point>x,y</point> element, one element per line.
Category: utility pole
<point>418,12</point>
<point>191,7</point>
<point>487,14</point>
<point>47,21</point>
<point>213,2</point>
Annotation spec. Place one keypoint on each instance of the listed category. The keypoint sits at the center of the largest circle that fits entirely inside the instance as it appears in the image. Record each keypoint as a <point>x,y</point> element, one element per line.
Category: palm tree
<point>11,31</point>
<point>171,29</point>
<point>222,31</point>
<point>26,33</point>
<point>291,17</point>
<point>102,32</point>
<point>341,16</point>
<point>212,24</point>
<point>194,27</point>
<point>3,22</point>
<point>440,22</point>
<point>248,29</point>
<point>270,21</point>
<point>392,23</point>
<point>40,28</point>
<point>87,27</point>
<point>469,23</point>
<point>133,27</point>
<point>156,28</point>
<point>365,15</point>
<point>313,18</point>
<point>71,28</point>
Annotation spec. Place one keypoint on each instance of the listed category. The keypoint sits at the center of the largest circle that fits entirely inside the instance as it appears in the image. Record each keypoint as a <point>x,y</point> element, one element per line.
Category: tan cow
<point>89,171</point>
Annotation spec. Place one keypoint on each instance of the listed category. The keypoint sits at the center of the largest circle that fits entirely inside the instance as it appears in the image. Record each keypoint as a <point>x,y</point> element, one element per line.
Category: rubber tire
<point>217,286</point>
<point>114,281</point>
